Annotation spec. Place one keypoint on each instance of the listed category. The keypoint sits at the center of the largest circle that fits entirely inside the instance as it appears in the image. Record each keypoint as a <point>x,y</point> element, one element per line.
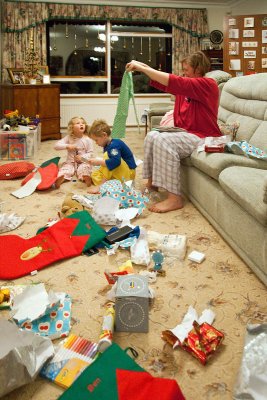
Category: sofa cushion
<point>244,100</point>
<point>214,163</point>
<point>219,76</point>
<point>246,186</point>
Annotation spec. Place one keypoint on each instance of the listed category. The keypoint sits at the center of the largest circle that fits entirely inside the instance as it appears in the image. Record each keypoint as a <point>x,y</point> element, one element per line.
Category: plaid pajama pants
<point>162,154</point>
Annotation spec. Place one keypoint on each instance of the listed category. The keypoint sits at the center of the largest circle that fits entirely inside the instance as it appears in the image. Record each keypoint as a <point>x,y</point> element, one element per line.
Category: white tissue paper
<point>140,250</point>
<point>10,222</point>
<point>181,331</point>
<point>104,211</point>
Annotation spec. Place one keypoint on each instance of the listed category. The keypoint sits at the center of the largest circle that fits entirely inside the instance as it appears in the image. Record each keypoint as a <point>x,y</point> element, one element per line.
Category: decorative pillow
<point>16,169</point>
<point>219,76</point>
<point>230,128</point>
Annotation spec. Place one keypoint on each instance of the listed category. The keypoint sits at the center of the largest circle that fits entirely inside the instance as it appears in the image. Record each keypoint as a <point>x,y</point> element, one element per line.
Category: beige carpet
<point>222,282</point>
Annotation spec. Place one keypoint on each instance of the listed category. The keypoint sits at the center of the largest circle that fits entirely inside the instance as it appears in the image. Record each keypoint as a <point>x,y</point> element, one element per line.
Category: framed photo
<point>233,33</point>
<point>249,53</point>
<point>232,21</point>
<point>251,65</point>
<point>235,65</point>
<point>43,70</point>
<point>264,63</point>
<point>46,78</point>
<point>264,36</point>
<point>234,48</point>
<point>264,50</point>
<point>16,75</point>
<point>249,44</point>
<point>248,33</point>
<point>249,22</point>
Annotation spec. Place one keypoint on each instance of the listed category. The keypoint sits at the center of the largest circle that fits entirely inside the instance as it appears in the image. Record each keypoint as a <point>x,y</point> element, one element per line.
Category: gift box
<point>202,341</point>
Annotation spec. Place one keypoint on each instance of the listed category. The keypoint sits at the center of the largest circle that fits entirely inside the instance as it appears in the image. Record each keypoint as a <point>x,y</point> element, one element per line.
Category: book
<point>71,357</point>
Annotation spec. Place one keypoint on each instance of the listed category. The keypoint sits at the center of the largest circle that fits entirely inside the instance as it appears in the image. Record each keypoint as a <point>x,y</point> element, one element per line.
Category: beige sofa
<point>231,190</point>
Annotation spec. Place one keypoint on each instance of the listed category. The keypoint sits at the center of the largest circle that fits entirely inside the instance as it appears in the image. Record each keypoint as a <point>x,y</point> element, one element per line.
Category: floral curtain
<point>20,19</point>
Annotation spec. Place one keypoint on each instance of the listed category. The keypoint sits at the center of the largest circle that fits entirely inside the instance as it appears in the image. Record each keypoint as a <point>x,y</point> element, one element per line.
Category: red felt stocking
<point>19,256</point>
<point>139,385</point>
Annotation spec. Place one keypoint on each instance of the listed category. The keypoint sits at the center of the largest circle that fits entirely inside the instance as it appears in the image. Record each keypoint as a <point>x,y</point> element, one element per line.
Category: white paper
<point>126,214</point>
<point>29,187</point>
<point>32,303</point>
<point>181,330</point>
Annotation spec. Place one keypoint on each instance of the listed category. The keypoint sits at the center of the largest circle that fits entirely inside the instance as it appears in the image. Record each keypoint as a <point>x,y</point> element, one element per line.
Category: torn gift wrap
<point>22,355</point>
<point>195,335</point>
<point>47,314</point>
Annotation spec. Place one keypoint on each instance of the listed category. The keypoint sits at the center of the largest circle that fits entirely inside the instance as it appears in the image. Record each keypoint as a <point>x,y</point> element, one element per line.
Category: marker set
<point>70,359</point>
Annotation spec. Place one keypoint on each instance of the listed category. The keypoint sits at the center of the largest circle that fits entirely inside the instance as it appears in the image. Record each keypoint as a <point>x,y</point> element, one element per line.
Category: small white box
<point>196,256</point>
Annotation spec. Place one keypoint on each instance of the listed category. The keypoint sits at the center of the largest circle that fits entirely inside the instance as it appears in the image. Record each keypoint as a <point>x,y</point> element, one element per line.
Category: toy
<point>70,206</point>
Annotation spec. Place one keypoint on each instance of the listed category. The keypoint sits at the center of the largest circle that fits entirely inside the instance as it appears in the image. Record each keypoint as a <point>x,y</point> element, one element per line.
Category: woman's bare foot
<point>93,189</point>
<point>173,202</point>
<point>59,181</point>
<point>87,179</point>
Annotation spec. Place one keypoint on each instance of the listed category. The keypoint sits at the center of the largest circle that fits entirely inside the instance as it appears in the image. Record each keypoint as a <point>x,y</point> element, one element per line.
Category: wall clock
<point>216,37</point>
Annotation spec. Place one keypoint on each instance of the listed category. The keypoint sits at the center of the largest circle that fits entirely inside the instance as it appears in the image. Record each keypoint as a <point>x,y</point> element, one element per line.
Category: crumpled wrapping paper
<point>22,355</point>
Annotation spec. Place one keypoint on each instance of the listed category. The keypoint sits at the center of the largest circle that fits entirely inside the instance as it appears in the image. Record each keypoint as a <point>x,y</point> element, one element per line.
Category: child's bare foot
<point>87,179</point>
<point>173,202</point>
<point>59,181</point>
<point>93,189</point>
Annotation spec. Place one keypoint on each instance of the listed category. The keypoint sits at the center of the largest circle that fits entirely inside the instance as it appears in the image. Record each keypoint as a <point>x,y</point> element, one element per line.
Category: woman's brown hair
<point>198,61</point>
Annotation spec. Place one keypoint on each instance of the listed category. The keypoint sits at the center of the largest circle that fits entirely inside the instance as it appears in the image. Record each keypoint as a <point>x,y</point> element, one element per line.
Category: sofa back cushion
<point>244,100</point>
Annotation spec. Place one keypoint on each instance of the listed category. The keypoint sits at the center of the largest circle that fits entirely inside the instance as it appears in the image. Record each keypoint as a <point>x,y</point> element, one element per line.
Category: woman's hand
<point>135,66</point>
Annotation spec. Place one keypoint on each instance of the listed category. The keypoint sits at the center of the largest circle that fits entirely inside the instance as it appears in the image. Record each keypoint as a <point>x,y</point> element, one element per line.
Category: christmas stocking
<point>140,385</point>
<point>67,238</point>
<point>126,93</point>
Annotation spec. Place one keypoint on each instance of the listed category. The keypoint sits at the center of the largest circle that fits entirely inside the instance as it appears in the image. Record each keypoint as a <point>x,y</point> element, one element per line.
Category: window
<point>90,57</point>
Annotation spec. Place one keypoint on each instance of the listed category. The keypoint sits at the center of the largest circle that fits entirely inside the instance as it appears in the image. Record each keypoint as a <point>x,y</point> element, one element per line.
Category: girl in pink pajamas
<point>79,147</point>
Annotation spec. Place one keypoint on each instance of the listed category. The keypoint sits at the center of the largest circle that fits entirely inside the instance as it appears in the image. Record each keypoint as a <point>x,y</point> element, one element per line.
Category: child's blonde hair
<point>198,60</point>
<point>73,121</point>
<point>98,127</point>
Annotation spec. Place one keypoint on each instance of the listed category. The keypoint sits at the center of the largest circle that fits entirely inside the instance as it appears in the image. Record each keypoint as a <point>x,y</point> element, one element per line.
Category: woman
<point>195,116</point>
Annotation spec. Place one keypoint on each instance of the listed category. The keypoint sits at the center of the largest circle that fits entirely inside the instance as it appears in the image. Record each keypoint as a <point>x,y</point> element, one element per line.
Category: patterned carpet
<point>221,282</point>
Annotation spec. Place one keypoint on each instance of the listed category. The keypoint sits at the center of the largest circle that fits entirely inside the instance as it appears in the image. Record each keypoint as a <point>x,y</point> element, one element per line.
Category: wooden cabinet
<point>216,58</point>
<point>31,100</point>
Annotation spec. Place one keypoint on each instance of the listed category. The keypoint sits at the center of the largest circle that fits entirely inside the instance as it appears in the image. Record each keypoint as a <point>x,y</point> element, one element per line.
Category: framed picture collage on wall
<point>245,44</point>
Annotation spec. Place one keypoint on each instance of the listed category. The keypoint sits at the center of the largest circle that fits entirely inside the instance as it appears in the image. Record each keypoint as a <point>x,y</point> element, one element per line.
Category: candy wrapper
<point>202,341</point>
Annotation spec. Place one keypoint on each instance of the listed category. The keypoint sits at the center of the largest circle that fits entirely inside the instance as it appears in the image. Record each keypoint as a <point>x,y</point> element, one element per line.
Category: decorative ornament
<point>75,42</point>
<point>67,30</point>
<point>54,45</point>
<point>141,46</point>
<point>31,62</point>
<point>124,43</point>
